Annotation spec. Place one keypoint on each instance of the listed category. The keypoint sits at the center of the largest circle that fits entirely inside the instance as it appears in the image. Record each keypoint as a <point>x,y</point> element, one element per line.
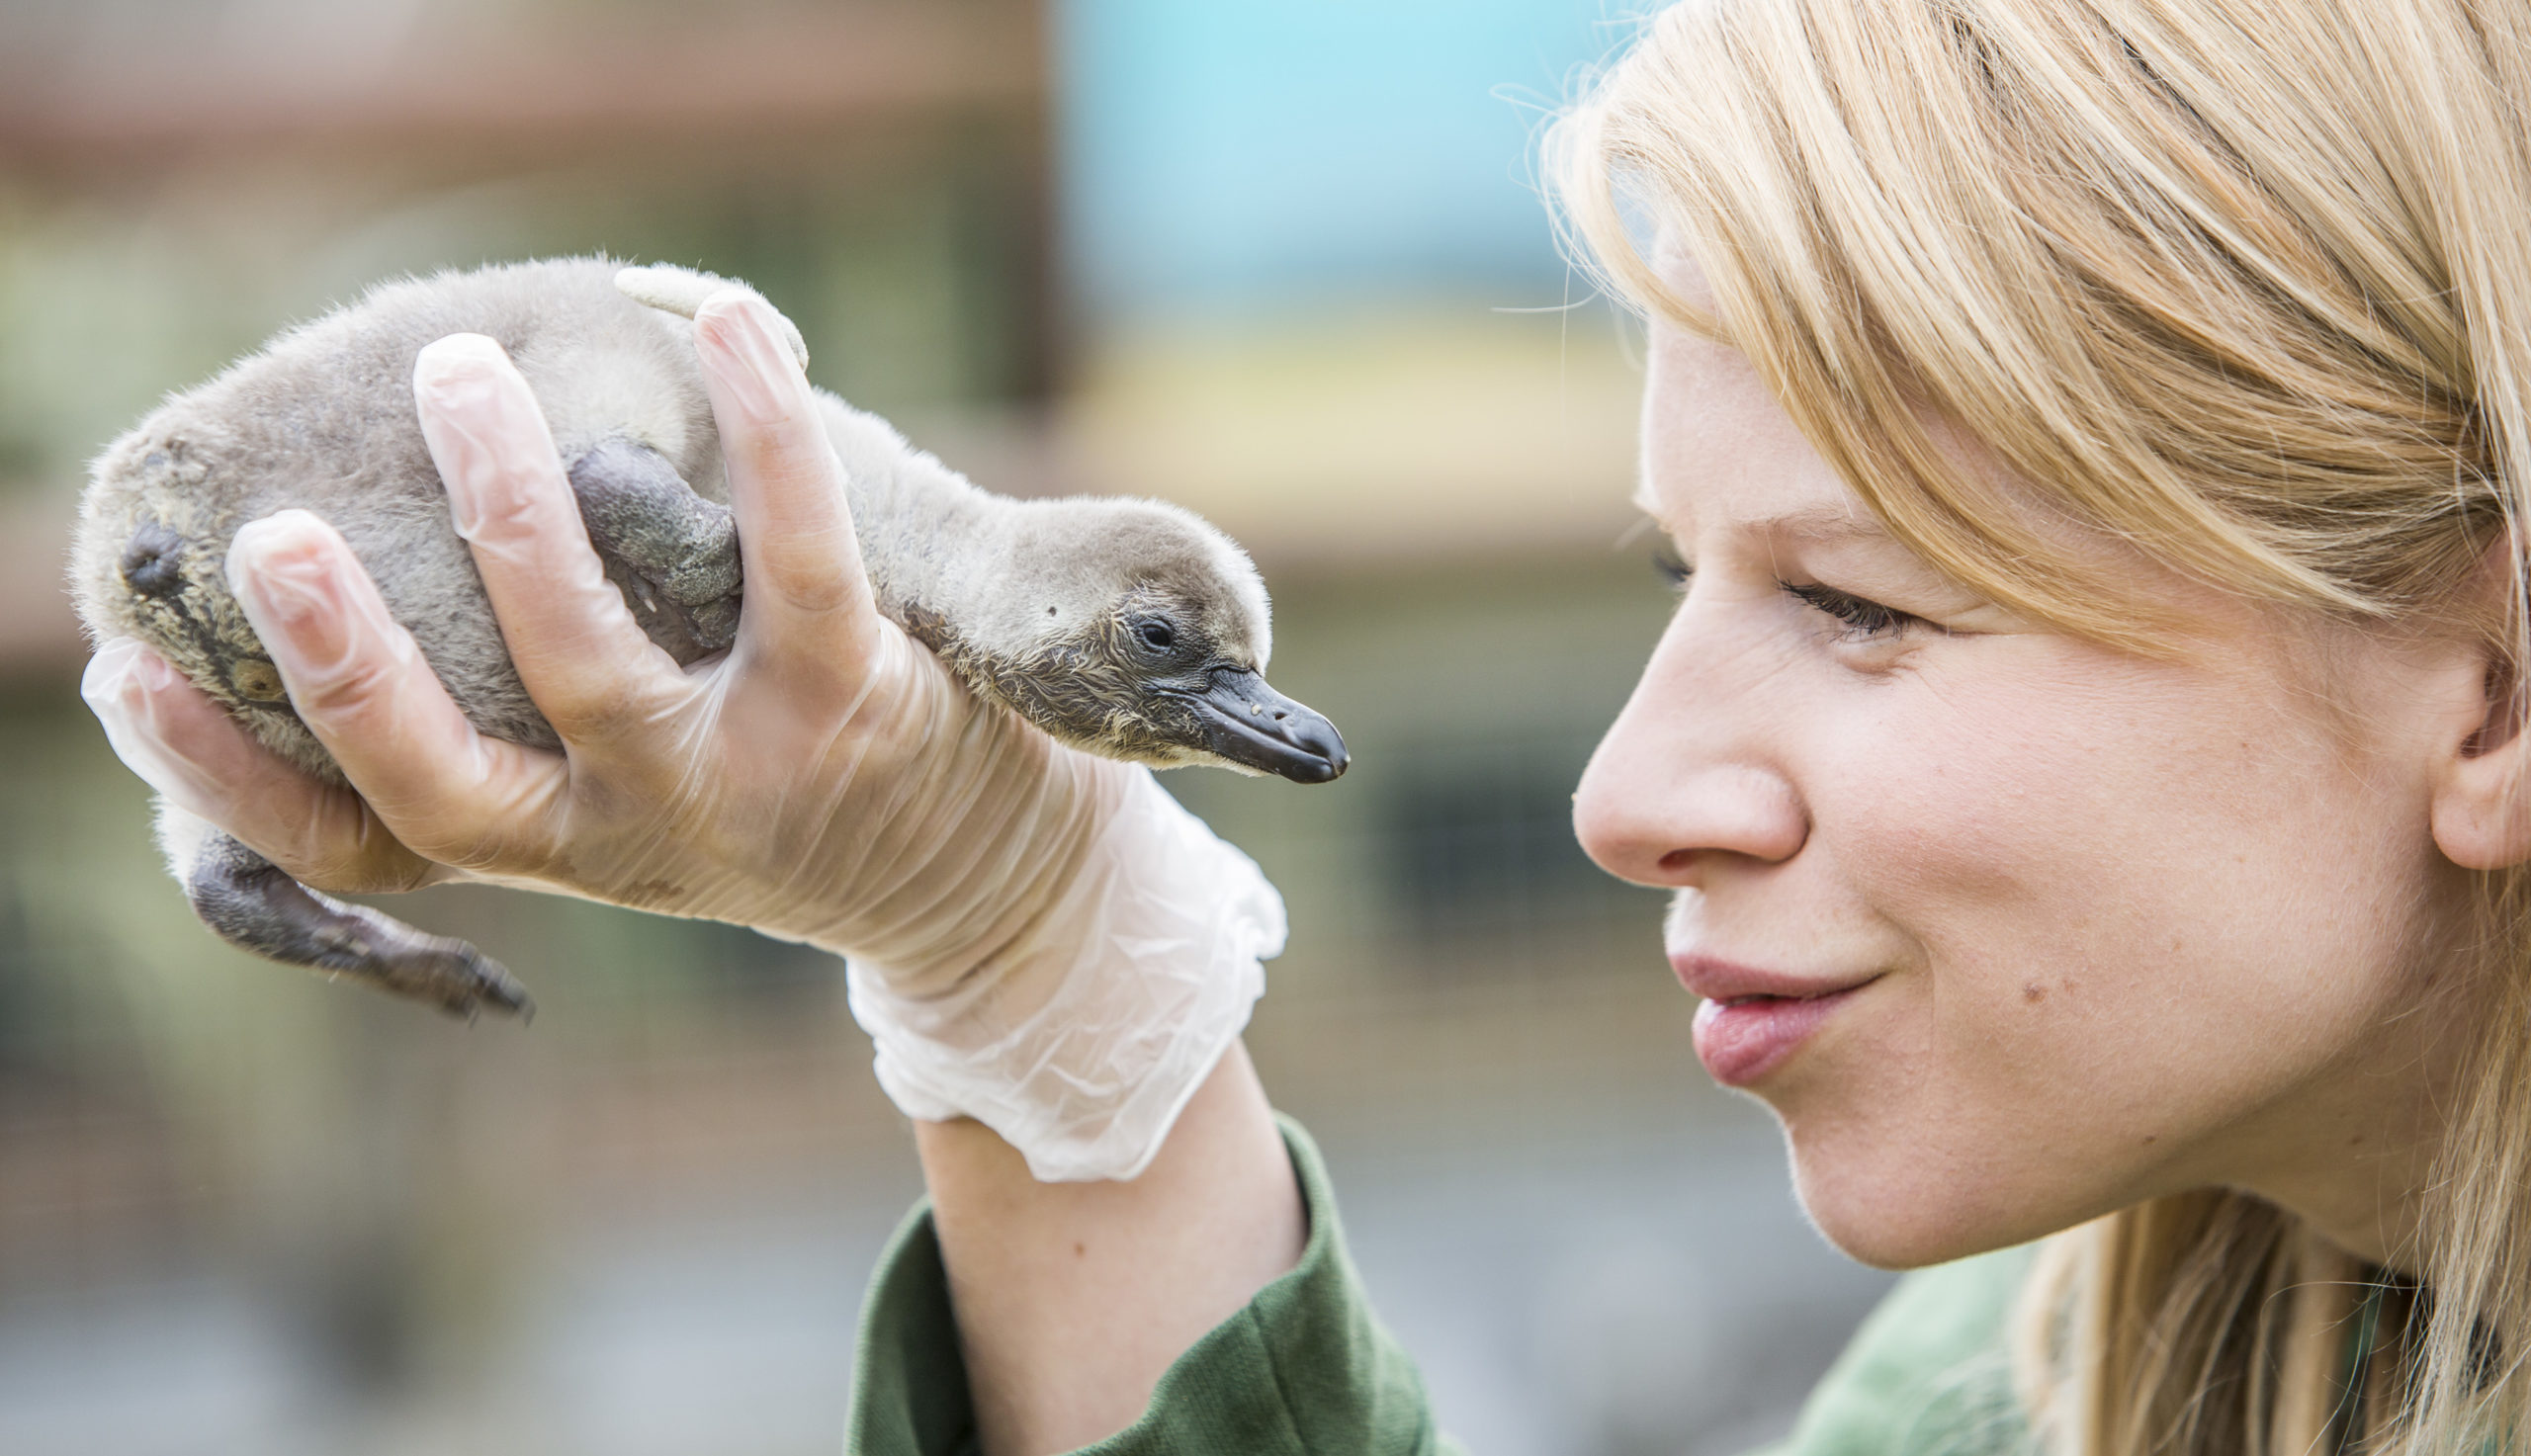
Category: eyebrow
<point>1820,523</point>
<point>1830,523</point>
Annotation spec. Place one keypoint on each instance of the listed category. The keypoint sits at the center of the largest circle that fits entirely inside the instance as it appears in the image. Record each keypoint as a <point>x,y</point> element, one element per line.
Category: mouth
<point>1753,1022</point>
<point>1741,1041</point>
<point>1250,723</point>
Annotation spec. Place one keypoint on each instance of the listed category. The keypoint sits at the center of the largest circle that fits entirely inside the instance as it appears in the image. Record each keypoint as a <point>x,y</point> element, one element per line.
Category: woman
<point>2088,756</point>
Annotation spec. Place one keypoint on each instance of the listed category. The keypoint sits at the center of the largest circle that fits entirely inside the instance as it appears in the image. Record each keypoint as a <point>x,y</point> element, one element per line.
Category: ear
<point>2482,807</point>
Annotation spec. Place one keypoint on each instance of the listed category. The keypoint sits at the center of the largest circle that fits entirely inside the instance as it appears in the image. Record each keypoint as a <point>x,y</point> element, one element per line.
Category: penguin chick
<point>1130,629</point>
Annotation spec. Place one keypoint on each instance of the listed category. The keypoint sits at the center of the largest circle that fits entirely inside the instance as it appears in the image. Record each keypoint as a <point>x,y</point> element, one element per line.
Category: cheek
<point>2119,923</point>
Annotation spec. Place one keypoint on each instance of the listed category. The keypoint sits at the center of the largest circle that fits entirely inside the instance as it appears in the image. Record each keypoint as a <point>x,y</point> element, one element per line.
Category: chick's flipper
<point>673,554</point>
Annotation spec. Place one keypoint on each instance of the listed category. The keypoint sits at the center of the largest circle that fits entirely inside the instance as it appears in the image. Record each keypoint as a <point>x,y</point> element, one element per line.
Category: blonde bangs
<point>2071,234</point>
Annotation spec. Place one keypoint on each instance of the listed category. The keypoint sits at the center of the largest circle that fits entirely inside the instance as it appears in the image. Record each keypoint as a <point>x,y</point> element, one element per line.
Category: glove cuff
<point>1081,1043</point>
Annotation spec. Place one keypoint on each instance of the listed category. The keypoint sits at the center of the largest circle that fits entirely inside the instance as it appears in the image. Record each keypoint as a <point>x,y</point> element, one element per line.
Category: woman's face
<point>2012,930</point>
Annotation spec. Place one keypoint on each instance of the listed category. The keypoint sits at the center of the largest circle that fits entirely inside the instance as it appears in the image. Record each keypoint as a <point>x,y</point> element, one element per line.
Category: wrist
<point>1081,1038</point>
<point>957,823</point>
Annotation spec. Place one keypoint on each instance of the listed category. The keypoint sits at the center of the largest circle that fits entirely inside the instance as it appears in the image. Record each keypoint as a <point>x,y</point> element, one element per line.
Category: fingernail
<point>127,657</point>
<point>459,371</point>
<point>735,330</point>
<point>470,400</point>
<point>287,571</point>
<point>116,664</point>
<point>154,671</point>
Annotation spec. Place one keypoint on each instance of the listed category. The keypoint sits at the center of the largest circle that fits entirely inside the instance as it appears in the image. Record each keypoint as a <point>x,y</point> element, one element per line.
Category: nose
<point>1691,775</point>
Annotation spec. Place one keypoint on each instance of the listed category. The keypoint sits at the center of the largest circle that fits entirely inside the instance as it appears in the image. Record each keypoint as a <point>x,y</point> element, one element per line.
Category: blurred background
<point>1285,264</point>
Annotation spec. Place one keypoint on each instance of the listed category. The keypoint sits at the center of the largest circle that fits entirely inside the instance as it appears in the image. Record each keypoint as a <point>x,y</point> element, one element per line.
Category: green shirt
<point>1307,1368</point>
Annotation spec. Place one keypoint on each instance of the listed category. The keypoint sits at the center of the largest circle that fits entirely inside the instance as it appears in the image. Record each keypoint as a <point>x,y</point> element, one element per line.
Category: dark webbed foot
<point>249,902</point>
<point>673,554</point>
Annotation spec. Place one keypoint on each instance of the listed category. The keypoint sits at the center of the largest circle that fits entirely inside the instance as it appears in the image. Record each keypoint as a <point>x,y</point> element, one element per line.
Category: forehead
<point>1721,455</point>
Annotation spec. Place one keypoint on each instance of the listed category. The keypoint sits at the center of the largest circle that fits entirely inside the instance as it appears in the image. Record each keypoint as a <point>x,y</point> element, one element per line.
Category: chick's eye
<point>1157,635</point>
<point>1860,620</point>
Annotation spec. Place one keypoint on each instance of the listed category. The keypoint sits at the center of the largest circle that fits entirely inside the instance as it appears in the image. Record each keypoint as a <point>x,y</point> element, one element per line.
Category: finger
<point>361,685</point>
<point>205,762</point>
<point>585,661</point>
<point>809,610</point>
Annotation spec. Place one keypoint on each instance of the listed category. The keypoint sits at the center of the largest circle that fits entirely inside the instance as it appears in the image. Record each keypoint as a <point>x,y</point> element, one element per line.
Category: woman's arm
<point>1074,1298</point>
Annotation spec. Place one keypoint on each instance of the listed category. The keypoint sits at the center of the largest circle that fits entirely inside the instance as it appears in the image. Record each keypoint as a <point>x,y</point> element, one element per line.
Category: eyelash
<point>1672,568</point>
<point>1863,620</point>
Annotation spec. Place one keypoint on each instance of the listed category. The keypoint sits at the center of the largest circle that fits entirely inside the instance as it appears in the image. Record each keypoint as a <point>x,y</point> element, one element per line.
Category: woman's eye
<point>1863,621</point>
<point>1674,568</point>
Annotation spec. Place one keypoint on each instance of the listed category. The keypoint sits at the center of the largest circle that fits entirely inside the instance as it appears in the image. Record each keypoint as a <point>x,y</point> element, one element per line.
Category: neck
<point>2355,1151</point>
<point>2372,1202</point>
<point>918,521</point>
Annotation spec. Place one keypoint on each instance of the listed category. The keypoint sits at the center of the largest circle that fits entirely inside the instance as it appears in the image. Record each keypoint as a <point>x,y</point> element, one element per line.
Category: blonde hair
<point>2248,286</point>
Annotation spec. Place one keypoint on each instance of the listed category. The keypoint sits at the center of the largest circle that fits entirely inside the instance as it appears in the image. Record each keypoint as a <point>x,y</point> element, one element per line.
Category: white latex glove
<point>1038,939</point>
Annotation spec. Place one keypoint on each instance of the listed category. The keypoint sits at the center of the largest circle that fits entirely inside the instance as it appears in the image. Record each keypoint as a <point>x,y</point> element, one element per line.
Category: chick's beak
<point>1248,723</point>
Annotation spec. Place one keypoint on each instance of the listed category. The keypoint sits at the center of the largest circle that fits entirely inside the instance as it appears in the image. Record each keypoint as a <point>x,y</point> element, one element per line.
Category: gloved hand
<point>1039,939</point>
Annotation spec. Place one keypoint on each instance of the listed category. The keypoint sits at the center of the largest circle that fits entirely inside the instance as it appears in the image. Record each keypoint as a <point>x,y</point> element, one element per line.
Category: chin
<point>1894,1206</point>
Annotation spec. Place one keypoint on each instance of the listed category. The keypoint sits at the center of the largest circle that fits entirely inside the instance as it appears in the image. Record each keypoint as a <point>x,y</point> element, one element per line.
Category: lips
<point>1753,1020</point>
